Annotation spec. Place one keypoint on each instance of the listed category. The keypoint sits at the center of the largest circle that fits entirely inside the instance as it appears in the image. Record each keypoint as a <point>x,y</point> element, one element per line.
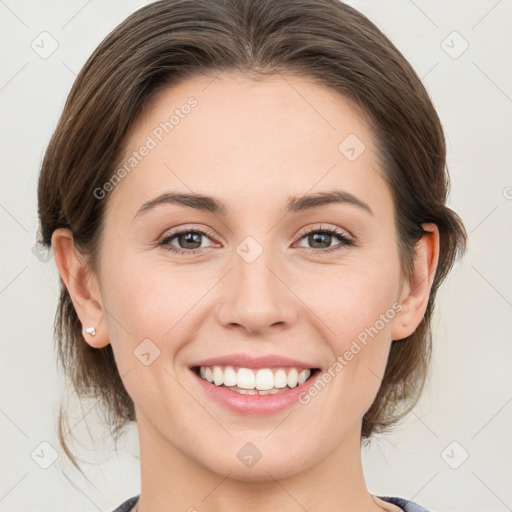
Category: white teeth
<point>247,391</point>
<point>245,378</point>
<point>208,374</point>
<point>264,380</point>
<point>229,377</point>
<point>303,376</point>
<point>218,376</point>
<point>293,376</point>
<point>280,379</point>
<point>251,382</point>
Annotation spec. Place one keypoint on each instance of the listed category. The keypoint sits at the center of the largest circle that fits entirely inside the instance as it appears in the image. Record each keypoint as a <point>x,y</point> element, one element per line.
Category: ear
<point>416,291</point>
<point>82,287</point>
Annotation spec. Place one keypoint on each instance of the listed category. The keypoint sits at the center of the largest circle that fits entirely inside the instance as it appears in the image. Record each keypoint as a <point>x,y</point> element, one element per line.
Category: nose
<point>256,296</point>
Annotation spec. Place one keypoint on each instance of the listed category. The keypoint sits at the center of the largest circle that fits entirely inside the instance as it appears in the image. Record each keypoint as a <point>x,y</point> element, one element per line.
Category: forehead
<point>233,134</point>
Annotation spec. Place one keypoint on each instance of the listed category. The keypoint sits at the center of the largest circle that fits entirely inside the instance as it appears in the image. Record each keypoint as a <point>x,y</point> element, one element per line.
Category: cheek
<point>149,300</point>
<point>358,304</point>
<point>353,298</point>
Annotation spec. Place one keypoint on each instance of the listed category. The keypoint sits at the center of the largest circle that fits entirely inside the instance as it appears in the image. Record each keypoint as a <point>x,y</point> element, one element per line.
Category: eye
<point>321,239</point>
<point>188,240</point>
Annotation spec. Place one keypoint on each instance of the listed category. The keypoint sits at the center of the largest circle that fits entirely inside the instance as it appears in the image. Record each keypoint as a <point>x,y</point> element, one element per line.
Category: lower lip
<point>255,405</point>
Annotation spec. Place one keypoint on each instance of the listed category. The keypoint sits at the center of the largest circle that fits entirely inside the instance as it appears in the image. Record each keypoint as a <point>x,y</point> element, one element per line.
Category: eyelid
<point>347,239</point>
<point>322,227</point>
<point>187,227</point>
<point>210,232</point>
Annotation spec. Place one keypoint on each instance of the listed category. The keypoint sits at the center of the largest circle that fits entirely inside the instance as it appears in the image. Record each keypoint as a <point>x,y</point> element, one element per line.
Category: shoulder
<point>127,505</point>
<point>405,505</point>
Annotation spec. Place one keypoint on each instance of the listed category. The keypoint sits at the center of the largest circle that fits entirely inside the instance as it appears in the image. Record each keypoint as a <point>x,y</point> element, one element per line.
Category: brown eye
<point>320,240</point>
<point>187,241</point>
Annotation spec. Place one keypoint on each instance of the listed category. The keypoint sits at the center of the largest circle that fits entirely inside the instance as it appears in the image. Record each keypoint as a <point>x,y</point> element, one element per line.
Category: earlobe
<point>82,287</point>
<point>416,292</point>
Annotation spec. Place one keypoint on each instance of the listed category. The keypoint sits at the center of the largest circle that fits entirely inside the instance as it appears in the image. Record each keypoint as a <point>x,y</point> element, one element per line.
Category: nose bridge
<point>255,296</point>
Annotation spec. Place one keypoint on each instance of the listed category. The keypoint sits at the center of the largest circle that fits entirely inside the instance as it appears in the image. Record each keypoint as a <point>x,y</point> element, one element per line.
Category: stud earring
<point>91,331</point>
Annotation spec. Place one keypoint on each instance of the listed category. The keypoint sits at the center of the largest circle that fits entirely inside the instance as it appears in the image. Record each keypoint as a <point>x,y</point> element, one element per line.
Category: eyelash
<point>346,241</point>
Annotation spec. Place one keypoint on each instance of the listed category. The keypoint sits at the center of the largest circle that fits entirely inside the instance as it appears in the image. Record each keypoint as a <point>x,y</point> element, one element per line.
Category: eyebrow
<point>294,203</point>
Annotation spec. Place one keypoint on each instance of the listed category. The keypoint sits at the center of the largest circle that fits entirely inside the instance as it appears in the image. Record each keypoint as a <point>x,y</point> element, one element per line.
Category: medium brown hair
<point>167,42</point>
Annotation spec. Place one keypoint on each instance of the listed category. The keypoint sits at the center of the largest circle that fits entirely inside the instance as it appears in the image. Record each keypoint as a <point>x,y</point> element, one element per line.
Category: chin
<point>276,466</point>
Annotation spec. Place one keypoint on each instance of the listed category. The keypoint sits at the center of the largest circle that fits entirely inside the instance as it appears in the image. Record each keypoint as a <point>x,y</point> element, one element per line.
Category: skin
<point>251,144</point>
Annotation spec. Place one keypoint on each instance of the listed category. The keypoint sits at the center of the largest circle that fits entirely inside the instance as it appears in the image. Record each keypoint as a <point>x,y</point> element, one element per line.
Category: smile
<point>254,391</point>
<point>251,381</point>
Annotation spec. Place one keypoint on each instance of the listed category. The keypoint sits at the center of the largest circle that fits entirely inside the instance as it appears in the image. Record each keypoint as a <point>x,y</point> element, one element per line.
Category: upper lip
<point>247,361</point>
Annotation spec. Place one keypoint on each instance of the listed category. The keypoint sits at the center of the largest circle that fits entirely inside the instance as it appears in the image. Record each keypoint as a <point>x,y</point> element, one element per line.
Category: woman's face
<point>256,277</point>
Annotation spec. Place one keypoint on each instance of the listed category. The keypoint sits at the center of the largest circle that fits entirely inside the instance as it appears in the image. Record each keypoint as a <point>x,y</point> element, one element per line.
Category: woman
<point>247,203</point>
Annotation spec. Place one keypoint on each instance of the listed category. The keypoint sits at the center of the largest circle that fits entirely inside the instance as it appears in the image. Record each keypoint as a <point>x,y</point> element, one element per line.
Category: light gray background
<point>468,397</point>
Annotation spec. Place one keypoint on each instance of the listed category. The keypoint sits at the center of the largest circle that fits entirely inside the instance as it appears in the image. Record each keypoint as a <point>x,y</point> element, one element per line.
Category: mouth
<point>255,381</point>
